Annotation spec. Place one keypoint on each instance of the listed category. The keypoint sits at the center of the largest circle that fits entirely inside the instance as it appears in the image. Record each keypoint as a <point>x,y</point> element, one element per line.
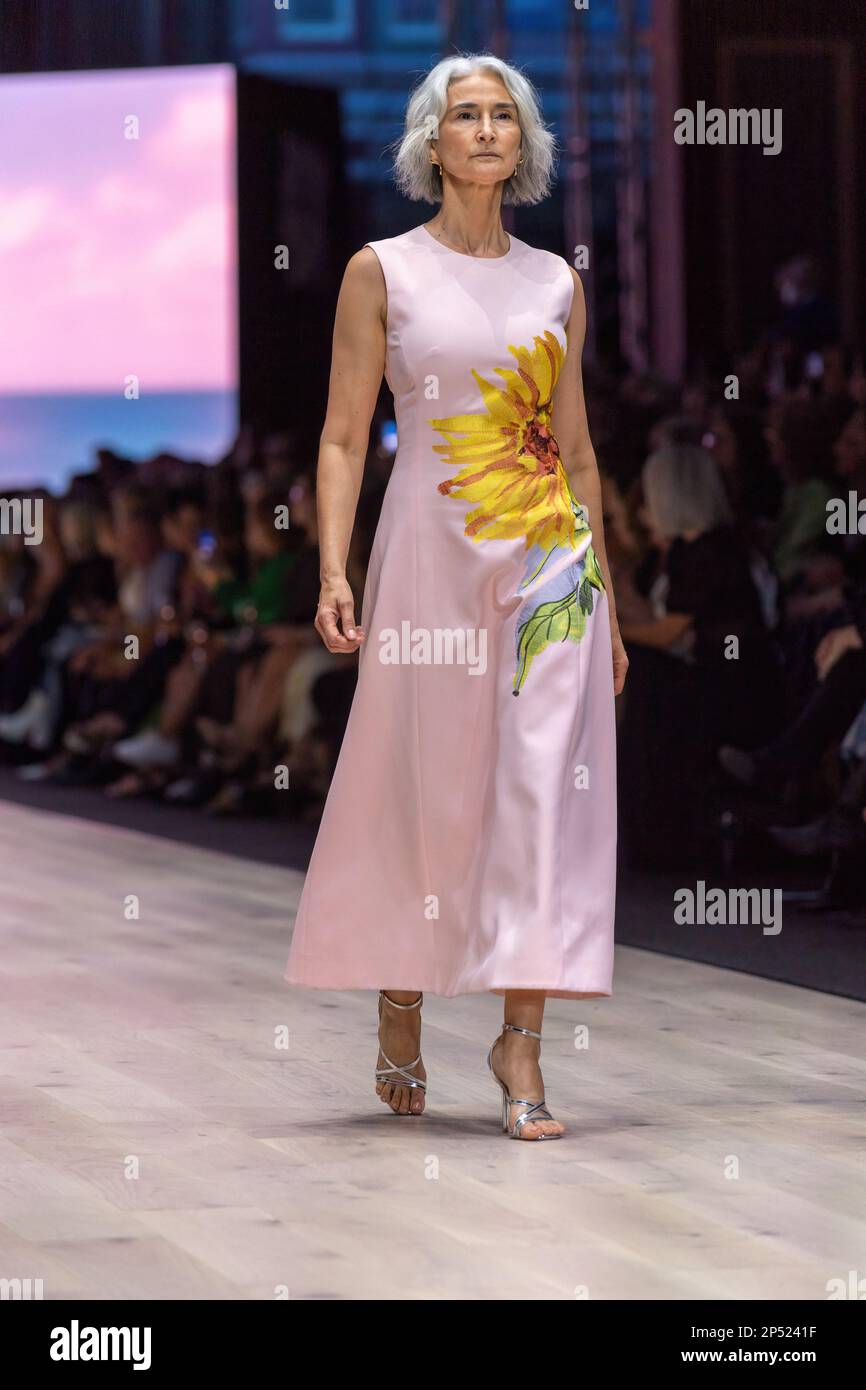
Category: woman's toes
<point>535,1129</point>
<point>391,1094</point>
<point>551,1127</point>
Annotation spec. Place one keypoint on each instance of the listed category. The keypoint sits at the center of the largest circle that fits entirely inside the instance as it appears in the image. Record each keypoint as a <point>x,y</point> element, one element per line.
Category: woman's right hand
<point>335,617</point>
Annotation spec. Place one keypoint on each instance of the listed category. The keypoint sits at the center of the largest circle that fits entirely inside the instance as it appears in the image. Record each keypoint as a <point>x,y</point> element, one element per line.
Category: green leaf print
<point>591,569</point>
<point>558,620</point>
<point>561,619</point>
<point>584,596</point>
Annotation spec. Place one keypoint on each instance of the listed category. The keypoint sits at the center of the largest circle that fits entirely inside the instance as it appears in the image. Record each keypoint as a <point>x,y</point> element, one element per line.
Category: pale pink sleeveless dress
<point>468,842</point>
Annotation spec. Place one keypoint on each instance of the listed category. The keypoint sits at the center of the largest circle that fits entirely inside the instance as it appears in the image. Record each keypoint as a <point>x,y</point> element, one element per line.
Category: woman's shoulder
<point>552,261</point>
<point>541,254</point>
<point>550,269</point>
<point>391,247</point>
<point>388,256</point>
<point>400,240</point>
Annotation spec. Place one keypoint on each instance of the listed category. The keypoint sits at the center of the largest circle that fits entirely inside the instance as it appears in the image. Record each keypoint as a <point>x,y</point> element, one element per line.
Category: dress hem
<point>554,992</point>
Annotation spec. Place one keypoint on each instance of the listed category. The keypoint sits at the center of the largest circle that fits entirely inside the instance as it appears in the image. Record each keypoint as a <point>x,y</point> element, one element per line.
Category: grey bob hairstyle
<point>684,491</point>
<point>418,178</point>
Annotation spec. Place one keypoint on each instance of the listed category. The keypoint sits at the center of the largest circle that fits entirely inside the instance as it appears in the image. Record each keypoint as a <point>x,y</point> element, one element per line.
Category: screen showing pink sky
<point>117,230</point>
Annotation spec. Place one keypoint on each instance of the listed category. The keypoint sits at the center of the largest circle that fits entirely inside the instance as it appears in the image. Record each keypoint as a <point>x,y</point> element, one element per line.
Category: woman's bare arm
<point>357,365</point>
<point>571,429</point>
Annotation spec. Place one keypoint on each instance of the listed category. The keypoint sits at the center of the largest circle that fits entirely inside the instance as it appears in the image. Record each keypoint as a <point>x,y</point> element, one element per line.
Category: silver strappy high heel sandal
<point>403,1077</point>
<point>537,1108</point>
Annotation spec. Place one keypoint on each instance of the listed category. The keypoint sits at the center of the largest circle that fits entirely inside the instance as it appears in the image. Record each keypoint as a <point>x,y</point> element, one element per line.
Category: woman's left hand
<point>620,660</point>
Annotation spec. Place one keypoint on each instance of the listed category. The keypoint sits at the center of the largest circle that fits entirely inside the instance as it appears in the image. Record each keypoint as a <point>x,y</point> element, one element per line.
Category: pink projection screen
<point>118,268</point>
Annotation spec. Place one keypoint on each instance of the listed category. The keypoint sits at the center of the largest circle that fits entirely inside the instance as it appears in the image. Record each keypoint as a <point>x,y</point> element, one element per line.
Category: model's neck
<point>470,221</point>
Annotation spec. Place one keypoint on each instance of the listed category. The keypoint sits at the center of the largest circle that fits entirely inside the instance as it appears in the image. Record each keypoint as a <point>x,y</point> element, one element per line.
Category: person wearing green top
<point>802,525</point>
<point>262,597</point>
<point>801,436</point>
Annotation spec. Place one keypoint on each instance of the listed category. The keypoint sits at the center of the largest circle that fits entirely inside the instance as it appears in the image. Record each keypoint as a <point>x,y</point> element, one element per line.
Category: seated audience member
<point>34,606</point>
<point>701,664</point>
<point>801,438</point>
<point>85,595</point>
<point>735,438</point>
<point>235,654</point>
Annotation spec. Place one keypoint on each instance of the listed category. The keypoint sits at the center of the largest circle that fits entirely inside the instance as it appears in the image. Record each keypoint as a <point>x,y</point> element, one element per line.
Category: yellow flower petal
<point>506,458</point>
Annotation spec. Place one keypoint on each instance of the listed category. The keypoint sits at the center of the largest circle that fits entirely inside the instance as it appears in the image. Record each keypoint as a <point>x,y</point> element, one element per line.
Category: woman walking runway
<point>468,842</point>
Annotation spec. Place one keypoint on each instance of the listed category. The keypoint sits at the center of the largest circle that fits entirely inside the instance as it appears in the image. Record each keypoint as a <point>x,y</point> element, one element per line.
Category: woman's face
<point>478,140</point>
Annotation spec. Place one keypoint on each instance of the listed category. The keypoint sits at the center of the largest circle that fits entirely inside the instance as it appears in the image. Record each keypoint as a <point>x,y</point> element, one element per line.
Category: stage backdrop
<point>117,260</point>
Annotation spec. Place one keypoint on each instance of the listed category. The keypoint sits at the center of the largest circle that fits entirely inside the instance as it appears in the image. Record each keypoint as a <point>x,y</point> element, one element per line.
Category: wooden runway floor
<point>156,1144</point>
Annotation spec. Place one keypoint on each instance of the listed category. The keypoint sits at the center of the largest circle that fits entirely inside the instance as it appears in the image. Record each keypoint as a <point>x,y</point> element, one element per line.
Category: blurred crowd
<point>159,639</point>
<point>742,729</point>
<point>742,602</point>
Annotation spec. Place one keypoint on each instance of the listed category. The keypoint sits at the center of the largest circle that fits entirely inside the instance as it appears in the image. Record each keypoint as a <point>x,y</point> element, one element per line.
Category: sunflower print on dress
<point>507,464</point>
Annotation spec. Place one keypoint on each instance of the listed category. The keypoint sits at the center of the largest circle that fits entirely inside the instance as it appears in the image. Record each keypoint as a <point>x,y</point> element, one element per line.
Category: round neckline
<point>467,255</point>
